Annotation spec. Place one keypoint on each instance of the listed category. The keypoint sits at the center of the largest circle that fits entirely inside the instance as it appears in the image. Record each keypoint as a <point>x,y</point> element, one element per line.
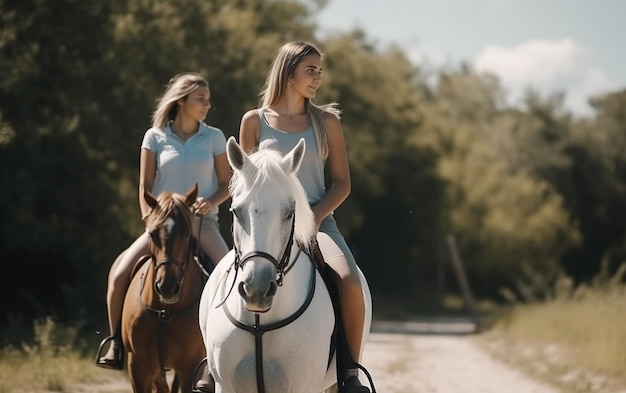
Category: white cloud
<point>547,66</point>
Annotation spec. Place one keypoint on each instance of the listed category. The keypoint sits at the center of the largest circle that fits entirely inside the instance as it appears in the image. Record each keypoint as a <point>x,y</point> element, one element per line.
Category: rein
<point>164,315</point>
<point>280,265</point>
<point>257,330</point>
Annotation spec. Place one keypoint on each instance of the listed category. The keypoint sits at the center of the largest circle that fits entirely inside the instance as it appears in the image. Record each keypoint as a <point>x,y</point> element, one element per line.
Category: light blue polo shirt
<point>181,164</point>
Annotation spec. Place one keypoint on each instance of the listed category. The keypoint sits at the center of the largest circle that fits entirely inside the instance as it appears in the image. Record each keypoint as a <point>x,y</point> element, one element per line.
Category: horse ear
<point>150,199</point>
<point>292,160</point>
<point>192,194</point>
<point>236,156</point>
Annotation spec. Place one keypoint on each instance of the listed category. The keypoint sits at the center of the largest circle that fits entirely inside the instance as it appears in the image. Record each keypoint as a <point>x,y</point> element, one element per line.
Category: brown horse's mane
<point>170,205</point>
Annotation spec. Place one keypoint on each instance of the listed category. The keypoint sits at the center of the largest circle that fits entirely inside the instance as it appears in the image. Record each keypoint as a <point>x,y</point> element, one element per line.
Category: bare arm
<point>337,163</point>
<point>249,131</point>
<point>222,170</point>
<point>147,173</point>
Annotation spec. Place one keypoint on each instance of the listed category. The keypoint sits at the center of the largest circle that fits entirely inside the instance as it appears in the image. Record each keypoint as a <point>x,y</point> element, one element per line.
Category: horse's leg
<point>140,379</point>
<point>160,384</point>
<point>186,377</point>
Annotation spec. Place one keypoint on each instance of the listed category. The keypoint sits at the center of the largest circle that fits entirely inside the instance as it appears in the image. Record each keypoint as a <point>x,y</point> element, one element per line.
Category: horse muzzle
<point>168,281</point>
<point>258,295</point>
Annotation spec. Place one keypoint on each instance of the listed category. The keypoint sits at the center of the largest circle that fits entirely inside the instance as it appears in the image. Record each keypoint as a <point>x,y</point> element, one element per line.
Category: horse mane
<point>264,166</point>
<point>170,205</point>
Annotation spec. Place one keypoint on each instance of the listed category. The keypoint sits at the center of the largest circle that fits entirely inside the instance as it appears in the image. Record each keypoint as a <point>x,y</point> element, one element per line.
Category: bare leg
<point>119,278</point>
<point>215,247</point>
<point>211,240</point>
<point>352,306</point>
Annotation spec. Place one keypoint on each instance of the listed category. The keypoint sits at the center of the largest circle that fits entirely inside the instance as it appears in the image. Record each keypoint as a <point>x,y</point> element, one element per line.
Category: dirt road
<point>420,358</point>
<point>438,363</point>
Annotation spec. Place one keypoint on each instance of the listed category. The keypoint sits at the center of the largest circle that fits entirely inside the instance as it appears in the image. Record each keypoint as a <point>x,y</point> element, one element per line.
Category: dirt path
<point>437,363</point>
<point>403,361</point>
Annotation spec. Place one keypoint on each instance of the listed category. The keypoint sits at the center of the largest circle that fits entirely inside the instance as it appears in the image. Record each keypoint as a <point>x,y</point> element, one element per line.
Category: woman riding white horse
<point>265,314</point>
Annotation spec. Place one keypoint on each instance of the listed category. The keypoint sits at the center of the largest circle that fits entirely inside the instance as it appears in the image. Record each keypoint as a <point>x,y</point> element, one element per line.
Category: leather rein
<point>165,315</point>
<point>257,330</point>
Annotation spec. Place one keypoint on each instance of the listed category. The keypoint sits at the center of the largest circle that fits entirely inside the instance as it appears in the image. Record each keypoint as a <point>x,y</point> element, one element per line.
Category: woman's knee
<point>213,243</point>
<point>125,263</point>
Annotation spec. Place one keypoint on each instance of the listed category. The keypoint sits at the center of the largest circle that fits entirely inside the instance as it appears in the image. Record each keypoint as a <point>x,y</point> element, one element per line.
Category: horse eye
<point>290,214</point>
<point>154,235</point>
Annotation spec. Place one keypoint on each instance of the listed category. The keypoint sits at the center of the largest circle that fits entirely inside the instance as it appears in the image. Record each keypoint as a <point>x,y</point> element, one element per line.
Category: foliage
<point>527,192</point>
<point>52,355</point>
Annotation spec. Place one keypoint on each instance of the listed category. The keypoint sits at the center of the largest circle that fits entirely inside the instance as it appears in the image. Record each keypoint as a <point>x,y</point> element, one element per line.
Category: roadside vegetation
<point>575,340</point>
<point>54,360</point>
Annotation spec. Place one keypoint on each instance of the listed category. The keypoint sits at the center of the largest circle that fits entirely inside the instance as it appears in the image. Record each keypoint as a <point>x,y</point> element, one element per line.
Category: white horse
<point>265,314</point>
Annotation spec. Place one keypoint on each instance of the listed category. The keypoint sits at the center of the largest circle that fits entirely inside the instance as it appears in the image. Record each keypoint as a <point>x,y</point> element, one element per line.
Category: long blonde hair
<point>180,86</point>
<point>281,71</point>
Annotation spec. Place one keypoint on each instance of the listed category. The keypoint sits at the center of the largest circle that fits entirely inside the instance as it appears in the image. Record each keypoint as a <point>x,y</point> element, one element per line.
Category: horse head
<point>270,214</point>
<point>170,226</point>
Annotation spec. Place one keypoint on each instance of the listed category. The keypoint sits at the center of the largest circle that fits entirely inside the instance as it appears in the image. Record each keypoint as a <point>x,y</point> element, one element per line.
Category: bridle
<point>282,268</point>
<point>166,260</point>
<point>281,265</point>
<point>166,315</point>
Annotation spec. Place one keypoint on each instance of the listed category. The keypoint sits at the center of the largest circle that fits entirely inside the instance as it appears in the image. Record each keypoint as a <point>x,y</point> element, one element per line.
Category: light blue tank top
<point>311,172</point>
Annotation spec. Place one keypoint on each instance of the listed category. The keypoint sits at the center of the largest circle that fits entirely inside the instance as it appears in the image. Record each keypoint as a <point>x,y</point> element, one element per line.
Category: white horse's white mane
<point>264,166</point>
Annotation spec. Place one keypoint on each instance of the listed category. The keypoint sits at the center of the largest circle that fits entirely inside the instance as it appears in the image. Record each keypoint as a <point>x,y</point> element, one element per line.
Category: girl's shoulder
<point>157,133</point>
<point>210,129</point>
<point>252,115</point>
<point>251,120</point>
<point>331,120</point>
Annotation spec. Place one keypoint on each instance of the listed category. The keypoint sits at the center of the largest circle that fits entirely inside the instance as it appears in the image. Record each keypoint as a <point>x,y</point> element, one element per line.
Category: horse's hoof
<point>353,385</point>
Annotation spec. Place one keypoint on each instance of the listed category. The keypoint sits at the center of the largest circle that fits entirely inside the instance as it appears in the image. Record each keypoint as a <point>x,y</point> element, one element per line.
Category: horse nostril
<point>271,291</point>
<point>242,291</point>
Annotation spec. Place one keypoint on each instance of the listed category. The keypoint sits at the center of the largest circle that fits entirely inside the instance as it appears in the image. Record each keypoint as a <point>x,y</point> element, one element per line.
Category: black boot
<point>352,383</point>
<point>205,385</point>
<point>113,358</point>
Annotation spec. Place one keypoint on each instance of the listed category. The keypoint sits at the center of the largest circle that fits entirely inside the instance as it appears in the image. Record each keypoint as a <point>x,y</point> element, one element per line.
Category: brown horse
<point>160,329</point>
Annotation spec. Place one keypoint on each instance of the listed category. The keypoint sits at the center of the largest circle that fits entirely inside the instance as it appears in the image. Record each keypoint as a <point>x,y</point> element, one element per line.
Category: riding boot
<point>205,385</point>
<point>352,383</point>
<point>113,358</point>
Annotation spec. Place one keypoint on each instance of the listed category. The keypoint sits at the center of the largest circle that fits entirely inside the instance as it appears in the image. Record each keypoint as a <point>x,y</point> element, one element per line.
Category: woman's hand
<point>202,206</point>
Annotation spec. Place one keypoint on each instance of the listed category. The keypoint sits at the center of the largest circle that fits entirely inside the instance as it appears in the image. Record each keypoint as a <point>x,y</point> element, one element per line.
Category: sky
<point>570,46</point>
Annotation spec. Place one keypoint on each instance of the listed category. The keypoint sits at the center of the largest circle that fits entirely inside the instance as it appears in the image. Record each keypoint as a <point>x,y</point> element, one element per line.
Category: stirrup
<point>355,385</point>
<point>203,385</point>
<point>115,363</point>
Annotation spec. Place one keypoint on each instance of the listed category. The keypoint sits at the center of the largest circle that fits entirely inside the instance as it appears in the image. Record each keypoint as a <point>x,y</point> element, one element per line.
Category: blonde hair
<point>281,71</point>
<point>180,86</point>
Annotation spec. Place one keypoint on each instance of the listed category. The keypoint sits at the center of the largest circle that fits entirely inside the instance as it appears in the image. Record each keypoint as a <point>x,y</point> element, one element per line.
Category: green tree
<point>59,217</point>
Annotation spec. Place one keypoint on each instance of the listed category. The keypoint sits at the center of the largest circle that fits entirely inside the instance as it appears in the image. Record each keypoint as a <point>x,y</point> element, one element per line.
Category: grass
<point>51,363</point>
<point>576,340</point>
